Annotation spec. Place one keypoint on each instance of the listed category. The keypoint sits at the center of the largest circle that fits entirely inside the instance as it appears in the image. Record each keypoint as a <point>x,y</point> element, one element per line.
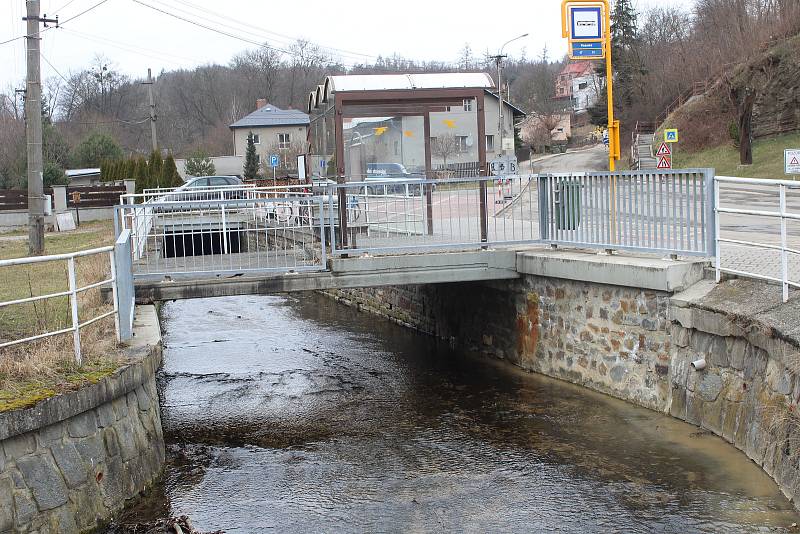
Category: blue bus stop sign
<point>274,161</point>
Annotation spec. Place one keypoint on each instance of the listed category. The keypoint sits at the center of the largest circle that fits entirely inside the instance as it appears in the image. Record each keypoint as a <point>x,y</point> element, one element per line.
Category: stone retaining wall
<point>636,345</point>
<point>70,462</point>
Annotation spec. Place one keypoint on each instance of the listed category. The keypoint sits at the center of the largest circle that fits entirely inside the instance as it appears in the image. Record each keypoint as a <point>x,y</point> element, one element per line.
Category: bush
<point>54,175</point>
<point>94,149</point>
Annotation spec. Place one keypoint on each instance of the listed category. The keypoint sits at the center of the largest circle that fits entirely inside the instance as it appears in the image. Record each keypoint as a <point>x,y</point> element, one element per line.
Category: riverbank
<point>71,461</point>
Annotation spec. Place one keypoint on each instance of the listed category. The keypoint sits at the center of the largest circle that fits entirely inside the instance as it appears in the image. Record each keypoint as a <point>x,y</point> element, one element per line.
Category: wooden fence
<point>90,197</point>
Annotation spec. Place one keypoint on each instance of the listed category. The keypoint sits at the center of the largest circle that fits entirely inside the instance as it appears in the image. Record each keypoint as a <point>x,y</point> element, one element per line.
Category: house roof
<point>517,112</point>
<point>78,173</point>
<point>270,115</point>
<point>577,68</point>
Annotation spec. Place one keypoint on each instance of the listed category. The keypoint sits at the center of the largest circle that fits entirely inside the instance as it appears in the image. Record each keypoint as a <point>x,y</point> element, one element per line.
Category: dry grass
<point>33,371</point>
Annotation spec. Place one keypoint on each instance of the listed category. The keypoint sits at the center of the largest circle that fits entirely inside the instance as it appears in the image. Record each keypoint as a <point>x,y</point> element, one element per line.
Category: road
<point>592,159</point>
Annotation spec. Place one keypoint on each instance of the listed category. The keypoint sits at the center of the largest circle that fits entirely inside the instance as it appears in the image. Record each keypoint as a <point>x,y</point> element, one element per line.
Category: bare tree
<point>444,147</point>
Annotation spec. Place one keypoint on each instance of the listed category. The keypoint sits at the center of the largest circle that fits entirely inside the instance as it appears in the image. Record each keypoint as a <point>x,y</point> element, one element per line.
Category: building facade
<point>275,132</point>
<point>578,85</point>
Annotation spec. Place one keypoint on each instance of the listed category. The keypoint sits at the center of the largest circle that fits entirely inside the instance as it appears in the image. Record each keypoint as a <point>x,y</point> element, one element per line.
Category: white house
<point>275,131</point>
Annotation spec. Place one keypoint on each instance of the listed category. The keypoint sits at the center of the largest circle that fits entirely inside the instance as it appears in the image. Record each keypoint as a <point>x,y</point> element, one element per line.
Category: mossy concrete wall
<point>70,462</point>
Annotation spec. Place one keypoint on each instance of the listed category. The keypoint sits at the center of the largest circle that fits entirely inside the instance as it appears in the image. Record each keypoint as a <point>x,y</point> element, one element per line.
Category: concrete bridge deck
<point>649,272</point>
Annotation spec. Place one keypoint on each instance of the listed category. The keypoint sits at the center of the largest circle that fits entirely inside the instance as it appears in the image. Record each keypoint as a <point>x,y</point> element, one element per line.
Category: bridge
<point>240,240</point>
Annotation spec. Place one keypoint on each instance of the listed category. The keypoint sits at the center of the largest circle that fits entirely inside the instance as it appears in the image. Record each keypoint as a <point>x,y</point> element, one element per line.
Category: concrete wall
<point>18,219</point>
<point>70,462</point>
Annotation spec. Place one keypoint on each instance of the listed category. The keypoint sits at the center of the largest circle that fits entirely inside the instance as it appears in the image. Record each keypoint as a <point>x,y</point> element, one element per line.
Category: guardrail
<point>782,214</point>
<point>419,215</point>
<point>72,293</point>
<point>255,234</point>
<point>664,212</point>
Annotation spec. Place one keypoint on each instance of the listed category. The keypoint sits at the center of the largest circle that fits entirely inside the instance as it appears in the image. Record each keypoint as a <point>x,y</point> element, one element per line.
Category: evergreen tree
<point>154,168</point>
<point>141,175</point>
<point>169,173</point>
<point>625,44</point>
<point>250,159</point>
<point>199,164</point>
<point>105,171</point>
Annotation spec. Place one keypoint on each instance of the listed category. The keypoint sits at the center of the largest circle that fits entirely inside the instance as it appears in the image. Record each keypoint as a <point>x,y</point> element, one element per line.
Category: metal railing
<point>273,232</point>
<point>659,212</point>
<point>760,263</point>
<point>73,292</point>
<point>422,215</point>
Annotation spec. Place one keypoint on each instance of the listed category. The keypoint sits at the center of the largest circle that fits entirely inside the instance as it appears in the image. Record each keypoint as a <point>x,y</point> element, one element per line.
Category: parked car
<point>204,188</point>
<point>393,172</point>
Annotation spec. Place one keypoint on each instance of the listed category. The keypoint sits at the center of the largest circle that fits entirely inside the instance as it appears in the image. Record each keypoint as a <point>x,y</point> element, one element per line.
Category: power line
<point>55,69</point>
<point>62,7</point>
<point>84,12</point>
<point>59,23</point>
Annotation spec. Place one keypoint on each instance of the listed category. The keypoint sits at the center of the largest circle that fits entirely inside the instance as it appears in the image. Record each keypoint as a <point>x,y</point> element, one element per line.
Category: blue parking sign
<point>274,161</point>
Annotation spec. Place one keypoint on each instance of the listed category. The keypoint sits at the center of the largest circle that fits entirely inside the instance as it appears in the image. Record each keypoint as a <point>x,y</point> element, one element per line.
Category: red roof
<point>578,68</point>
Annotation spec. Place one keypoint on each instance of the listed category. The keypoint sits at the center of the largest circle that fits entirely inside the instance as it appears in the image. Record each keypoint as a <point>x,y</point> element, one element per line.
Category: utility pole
<point>501,126</point>
<point>33,128</point>
<point>149,84</point>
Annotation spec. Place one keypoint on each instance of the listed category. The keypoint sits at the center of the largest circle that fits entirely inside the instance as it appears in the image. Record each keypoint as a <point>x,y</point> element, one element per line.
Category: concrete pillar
<point>60,198</point>
<point>130,187</point>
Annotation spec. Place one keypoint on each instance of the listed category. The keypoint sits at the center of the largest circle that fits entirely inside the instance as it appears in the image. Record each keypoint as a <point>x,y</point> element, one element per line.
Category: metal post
<point>149,84</point>
<point>784,252</point>
<point>715,187</point>
<point>484,211</point>
<point>73,301</point>
<point>114,295</point>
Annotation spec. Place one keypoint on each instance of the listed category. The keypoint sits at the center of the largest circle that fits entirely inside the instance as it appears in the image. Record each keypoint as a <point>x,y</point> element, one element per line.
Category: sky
<point>133,37</point>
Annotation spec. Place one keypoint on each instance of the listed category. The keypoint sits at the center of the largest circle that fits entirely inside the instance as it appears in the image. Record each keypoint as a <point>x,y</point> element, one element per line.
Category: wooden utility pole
<point>33,129</point>
<point>149,84</point>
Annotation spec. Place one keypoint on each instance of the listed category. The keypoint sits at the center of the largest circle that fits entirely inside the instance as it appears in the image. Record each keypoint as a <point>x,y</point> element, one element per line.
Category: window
<point>258,159</point>
<point>284,141</point>
<point>433,140</point>
<point>583,85</point>
<point>461,143</point>
<point>468,104</point>
<point>218,181</point>
<point>256,139</point>
<point>490,143</point>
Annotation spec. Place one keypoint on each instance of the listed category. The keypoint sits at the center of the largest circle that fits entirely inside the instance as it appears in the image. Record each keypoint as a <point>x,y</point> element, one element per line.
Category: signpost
<point>791,160</point>
<point>671,135</point>
<point>587,26</point>
<point>274,162</point>
<point>76,199</point>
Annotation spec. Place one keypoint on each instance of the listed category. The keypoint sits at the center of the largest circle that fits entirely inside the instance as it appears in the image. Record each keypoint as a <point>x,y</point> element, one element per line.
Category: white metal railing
<point>748,266</point>
<point>72,292</point>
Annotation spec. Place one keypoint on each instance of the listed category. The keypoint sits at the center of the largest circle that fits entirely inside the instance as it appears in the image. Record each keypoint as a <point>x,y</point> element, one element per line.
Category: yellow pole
<point>612,137</point>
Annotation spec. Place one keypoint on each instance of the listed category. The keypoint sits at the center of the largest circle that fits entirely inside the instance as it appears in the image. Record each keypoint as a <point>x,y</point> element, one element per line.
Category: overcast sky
<point>134,37</point>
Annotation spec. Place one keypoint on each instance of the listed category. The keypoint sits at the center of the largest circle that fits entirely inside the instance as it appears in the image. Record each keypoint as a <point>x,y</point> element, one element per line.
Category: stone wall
<point>70,462</point>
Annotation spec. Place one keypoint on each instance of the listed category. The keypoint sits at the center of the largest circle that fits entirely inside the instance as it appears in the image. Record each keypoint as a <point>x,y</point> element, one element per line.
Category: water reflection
<point>297,414</point>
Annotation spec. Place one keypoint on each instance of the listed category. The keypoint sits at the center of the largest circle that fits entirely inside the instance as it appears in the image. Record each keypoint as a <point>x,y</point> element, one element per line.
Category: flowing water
<point>296,414</point>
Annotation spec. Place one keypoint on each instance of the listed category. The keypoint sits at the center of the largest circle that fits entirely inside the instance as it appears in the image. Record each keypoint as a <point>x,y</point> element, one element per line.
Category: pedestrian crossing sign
<point>671,135</point>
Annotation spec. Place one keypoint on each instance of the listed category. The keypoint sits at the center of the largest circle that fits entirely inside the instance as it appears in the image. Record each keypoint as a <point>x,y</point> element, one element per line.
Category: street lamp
<point>499,59</point>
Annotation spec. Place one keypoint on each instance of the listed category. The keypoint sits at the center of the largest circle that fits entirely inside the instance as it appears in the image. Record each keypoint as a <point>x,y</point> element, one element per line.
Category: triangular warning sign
<point>664,150</point>
<point>665,162</point>
<point>794,161</point>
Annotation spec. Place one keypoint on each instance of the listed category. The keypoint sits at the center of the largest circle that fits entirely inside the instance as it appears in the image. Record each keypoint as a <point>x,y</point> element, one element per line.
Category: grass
<point>34,371</point>
<point>767,158</point>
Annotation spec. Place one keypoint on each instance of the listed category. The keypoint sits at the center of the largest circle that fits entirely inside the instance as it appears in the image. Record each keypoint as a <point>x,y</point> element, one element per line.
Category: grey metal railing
<point>72,292</point>
<point>659,212</point>
<point>773,254</point>
<point>424,215</point>
<point>226,236</point>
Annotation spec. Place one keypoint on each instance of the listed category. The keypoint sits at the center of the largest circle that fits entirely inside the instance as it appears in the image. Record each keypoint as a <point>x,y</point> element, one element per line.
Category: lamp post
<point>499,60</point>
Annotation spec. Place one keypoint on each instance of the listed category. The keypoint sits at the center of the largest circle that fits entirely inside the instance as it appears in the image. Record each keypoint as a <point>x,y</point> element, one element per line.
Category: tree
<point>154,168</point>
<point>625,45</point>
<point>169,173</point>
<point>141,175</point>
<point>94,149</point>
<point>250,159</point>
<point>53,175</point>
<point>199,164</point>
<point>444,146</point>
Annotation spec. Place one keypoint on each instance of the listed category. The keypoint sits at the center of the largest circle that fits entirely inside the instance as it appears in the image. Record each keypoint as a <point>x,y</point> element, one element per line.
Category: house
<point>83,177</point>
<point>275,131</point>
<point>579,84</point>
<point>418,122</point>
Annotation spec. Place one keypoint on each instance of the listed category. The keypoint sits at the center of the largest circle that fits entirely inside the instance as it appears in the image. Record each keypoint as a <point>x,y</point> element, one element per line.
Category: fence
<point>90,197</point>
<point>396,216</point>
<point>760,262</point>
<point>72,293</point>
<point>265,231</point>
<point>640,211</point>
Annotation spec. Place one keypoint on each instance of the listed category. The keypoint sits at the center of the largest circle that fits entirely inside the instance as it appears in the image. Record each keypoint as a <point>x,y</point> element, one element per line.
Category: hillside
<point>708,124</point>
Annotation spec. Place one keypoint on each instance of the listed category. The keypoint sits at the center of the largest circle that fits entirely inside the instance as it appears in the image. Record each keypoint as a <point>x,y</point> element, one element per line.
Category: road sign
<point>664,150</point>
<point>664,162</point>
<point>671,135</point>
<point>503,166</point>
<point>585,27</point>
<point>792,161</point>
<point>274,161</point>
